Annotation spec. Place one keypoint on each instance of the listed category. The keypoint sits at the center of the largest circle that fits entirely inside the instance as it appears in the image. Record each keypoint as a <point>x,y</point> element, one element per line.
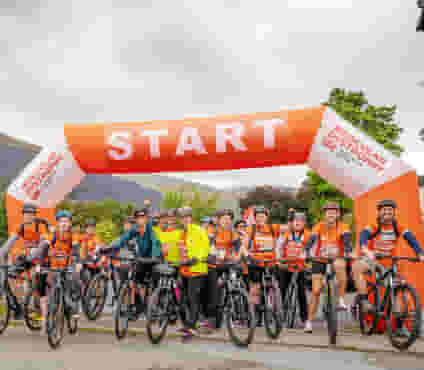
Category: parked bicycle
<point>400,306</point>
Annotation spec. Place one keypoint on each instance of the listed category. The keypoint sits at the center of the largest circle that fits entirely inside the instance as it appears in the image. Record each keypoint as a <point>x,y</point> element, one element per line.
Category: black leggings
<point>194,287</point>
<point>285,279</point>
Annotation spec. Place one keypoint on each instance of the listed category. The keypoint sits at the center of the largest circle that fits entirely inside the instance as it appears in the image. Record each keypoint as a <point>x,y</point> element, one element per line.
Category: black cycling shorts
<point>143,272</point>
<point>42,284</point>
<point>319,268</point>
<point>255,274</point>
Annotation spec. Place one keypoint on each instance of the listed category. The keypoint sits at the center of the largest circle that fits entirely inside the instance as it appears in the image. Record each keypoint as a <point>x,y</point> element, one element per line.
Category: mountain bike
<point>8,301</point>
<point>234,304</point>
<point>271,298</point>
<point>400,306</point>
<point>62,304</point>
<point>32,306</point>
<point>129,292</point>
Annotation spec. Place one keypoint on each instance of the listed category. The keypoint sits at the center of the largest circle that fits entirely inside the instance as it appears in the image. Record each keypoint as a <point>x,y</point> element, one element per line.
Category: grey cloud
<point>23,10</point>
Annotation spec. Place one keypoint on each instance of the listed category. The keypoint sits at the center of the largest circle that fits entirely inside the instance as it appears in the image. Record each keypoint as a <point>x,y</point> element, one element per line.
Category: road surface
<point>22,350</point>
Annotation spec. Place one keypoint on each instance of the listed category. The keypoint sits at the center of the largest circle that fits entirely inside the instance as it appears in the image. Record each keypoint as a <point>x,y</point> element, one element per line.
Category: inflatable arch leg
<point>340,153</point>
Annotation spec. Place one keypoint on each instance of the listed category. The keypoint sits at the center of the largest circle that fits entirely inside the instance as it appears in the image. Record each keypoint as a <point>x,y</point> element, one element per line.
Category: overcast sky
<point>138,60</point>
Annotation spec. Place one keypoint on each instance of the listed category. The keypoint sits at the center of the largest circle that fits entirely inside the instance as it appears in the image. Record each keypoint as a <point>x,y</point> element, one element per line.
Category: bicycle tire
<point>416,322</point>
<point>29,322</point>
<point>220,308</point>
<point>4,310</point>
<point>72,324</point>
<point>55,316</point>
<point>364,317</point>
<point>121,333</point>
<point>331,314</point>
<point>271,314</point>
<point>154,303</point>
<point>293,306</point>
<point>244,298</point>
<point>93,313</point>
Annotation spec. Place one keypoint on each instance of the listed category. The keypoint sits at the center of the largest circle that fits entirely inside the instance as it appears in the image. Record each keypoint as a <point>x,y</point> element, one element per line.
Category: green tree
<point>107,231</point>
<point>202,203</point>
<point>173,199</point>
<point>376,121</point>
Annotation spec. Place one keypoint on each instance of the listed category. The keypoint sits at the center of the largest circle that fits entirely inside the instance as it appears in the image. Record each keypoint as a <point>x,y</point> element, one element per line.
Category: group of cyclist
<point>172,236</point>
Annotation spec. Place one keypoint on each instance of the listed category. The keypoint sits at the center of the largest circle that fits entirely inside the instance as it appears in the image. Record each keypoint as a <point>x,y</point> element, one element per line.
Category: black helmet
<point>227,212</point>
<point>386,203</point>
<point>260,209</point>
<point>186,211</point>
<point>90,222</point>
<point>29,208</point>
<point>141,212</point>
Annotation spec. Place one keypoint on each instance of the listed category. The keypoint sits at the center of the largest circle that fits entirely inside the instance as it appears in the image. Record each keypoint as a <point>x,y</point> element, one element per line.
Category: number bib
<point>264,243</point>
<point>329,250</point>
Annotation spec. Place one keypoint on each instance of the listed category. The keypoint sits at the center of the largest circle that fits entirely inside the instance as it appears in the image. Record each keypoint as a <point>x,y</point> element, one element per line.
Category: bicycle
<point>271,296</point>
<point>32,306</point>
<point>234,304</point>
<point>398,298</point>
<point>166,305</point>
<point>289,310</point>
<point>61,305</point>
<point>126,308</point>
<point>8,301</point>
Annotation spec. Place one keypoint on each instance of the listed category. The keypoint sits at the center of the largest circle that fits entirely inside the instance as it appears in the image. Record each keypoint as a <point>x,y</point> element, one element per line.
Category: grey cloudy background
<point>127,60</point>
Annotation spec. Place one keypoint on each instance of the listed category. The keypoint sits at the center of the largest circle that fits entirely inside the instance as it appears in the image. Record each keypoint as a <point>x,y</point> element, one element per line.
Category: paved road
<point>28,351</point>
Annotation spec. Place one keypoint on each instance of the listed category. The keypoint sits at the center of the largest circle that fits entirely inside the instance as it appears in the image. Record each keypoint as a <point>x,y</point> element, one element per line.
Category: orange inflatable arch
<point>318,137</point>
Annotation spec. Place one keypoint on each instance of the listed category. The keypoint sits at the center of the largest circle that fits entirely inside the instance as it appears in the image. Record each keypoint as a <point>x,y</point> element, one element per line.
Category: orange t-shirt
<point>386,241</point>
<point>62,247</point>
<point>29,237</point>
<point>330,244</point>
<point>294,246</point>
<point>223,244</point>
<point>263,241</point>
<point>88,247</point>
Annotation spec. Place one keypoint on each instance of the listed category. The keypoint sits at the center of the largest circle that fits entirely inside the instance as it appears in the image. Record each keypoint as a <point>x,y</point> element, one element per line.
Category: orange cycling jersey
<point>262,241</point>
<point>294,246</point>
<point>88,247</point>
<point>330,243</point>
<point>60,245</point>
<point>223,246</point>
<point>29,237</point>
<point>385,242</point>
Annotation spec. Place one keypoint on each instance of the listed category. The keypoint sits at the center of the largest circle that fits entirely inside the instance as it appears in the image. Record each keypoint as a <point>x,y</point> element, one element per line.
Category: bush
<point>107,231</point>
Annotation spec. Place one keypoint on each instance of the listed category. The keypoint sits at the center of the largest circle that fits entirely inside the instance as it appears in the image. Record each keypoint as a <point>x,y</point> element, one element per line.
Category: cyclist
<point>23,239</point>
<point>193,247</point>
<point>172,220</point>
<point>241,246</point>
<point>60,243</point>
<point>90,244</point>
<point>293,247</point>
<point>147,246</point>
<point>330,238</point>
<point>262,241</point>
<point>221,249</point>
<point>382,238</point>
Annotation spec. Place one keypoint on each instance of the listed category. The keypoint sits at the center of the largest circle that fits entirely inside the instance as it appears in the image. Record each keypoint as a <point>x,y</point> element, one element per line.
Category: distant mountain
<point>16,154</point>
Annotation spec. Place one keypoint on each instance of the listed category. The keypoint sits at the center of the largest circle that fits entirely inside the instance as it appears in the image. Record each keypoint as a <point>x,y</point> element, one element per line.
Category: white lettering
<point>234,138</point>
<point>121,141</point>
<point>154,141</point>
<point>269,131</point>
<point>190,140</point>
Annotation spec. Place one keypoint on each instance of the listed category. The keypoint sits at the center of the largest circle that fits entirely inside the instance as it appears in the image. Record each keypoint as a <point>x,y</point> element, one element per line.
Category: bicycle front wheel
<point>4,310</point>
<point>158,312</point>
<point>240,318</point>
<point>95,296</point>
<point>368,321</point>
<point>123,311</point>
<point>404,317</point>
<point>32,309</point>
<point>272,317</point>
<point>55,318</point>
<point>331,313</point>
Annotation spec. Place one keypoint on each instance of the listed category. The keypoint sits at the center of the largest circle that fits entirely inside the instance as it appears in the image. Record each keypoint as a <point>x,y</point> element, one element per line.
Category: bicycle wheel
<point>272,317</point>
<point>4,310</point>
<point>404,322</point>
<point>55,318</point>
<point>368,321</point>
<point>331,313</point>
<point>220,308</point>
<point>158,312</point>
<point>72,324</point>
<point>290,307</point>
<point>95,296</point>
<point>32,309</point>
<point>123,311</point>
<point>240,314</point>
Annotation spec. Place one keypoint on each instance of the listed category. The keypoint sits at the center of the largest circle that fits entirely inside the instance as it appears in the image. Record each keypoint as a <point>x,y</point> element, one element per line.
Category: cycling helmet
<point>331,205</point>
<point>205,220</point>
<point>143,212</point>
<point>29,208</point>
<point>90,222</point>
<point>299,216</point>
<point>386,203</point>
<point>227,212</point>
<point>63,214</point>
<point>186,211</point>
<point>260,209</point>
<point>163,213</point>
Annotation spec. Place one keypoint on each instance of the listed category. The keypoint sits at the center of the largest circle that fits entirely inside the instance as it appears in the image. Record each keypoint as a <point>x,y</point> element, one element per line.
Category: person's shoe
<point>308,327</point>
<point>76,316</point>
<point>341,305</point>
<point>189,333</point>
<point>206,326</point>
<point>35,316</point>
